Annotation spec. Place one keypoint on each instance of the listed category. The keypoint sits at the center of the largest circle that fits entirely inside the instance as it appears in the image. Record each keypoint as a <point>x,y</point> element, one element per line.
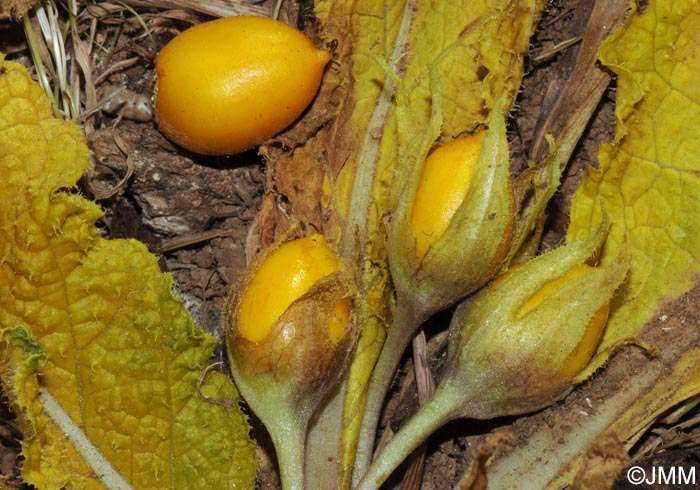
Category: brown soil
<point>196,212</point>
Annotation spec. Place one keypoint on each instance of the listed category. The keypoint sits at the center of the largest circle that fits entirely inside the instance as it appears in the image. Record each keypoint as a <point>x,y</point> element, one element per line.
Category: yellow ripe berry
<point>582,353</point>
<point>444,183</point>
<point>284,276</point>
<point>228,85</point>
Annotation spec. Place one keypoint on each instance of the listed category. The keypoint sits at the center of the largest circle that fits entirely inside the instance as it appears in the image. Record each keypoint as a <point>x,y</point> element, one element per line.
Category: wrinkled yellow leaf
<point>91,336</point>
<point>648,180</point>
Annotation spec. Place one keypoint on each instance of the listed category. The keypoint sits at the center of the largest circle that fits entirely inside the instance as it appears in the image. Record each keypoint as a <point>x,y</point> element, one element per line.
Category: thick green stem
<point>323,442</point>
<point>289,436</point>
<point>403,327</point>
<point>439,410</point>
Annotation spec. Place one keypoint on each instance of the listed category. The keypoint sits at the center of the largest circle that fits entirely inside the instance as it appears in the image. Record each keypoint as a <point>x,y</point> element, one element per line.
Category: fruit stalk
<point>434,414</point>
<point>289,437</point>
<point>405,320</point>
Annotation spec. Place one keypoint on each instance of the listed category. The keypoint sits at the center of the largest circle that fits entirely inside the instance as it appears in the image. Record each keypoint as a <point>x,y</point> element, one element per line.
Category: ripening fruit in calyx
<point>289,332</point>
<point>541,320</point>
<point>228,85</point>
<point>291,316</point>
<point>454,224</point>
<point>444,183</point>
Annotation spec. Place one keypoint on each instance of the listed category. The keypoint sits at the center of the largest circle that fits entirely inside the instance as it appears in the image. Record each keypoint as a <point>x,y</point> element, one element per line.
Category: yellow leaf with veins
<point>99,358</point>
<point>648,180</point>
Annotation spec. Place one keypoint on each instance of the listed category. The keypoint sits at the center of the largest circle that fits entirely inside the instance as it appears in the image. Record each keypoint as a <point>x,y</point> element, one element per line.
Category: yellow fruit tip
<point>285,275</point>
<point>444,183</point>
<point>579,358</point>
<point>339,320</point>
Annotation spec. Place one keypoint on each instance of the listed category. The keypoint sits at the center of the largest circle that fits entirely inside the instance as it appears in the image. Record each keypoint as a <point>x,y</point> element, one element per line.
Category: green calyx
<point>472,248</point>
<point>515,351</point>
